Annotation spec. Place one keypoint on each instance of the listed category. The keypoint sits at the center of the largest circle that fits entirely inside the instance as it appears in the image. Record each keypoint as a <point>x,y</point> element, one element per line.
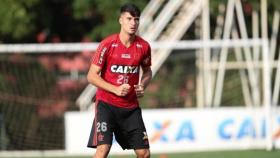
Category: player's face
<point>129,24</point>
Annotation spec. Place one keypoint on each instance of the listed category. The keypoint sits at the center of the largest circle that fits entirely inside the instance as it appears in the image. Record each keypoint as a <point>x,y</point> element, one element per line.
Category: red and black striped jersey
<point>119,65</point>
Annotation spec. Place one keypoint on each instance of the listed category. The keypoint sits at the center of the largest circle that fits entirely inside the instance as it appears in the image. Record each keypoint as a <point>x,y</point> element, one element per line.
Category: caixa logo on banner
<point>185,131</point>
<point>165,131</point>
<point>230,128</point>
<point>193,131</point>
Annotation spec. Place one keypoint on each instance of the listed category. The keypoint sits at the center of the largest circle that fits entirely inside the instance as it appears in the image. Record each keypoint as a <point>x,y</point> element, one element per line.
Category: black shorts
<point>126,124</point>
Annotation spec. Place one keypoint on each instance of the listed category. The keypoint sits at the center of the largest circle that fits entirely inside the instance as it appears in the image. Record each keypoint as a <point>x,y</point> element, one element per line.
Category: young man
<point>115,71</point>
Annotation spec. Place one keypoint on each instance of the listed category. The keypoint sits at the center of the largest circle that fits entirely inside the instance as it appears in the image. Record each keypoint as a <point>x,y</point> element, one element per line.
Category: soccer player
<point>115,71</point>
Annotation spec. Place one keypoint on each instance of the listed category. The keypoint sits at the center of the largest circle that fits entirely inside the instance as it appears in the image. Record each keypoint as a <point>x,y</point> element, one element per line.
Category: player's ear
<point>120,19</point>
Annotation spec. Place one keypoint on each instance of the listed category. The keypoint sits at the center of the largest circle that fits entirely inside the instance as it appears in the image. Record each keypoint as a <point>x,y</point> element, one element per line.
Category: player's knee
<point>102,151</point>
<point>143,153</point>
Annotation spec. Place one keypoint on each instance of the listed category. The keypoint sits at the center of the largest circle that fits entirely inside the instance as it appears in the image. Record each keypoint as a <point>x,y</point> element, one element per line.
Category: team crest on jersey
<point>139,45</point>
<point>124,69</point>
<point>126,56</point>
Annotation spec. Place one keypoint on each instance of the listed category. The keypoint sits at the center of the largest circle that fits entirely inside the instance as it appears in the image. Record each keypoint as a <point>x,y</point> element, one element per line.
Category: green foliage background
<point>21,20</point>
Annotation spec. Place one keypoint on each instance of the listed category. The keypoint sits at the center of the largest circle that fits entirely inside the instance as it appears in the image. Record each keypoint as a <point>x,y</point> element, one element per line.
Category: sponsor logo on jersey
<point>124,69</point>
<point>102,55</point>
<point>126,56</point>
<point>115,45</point>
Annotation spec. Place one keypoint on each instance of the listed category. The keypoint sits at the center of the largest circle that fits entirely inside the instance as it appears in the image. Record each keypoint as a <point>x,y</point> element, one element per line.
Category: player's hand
<point>122,90</point>
<point>139,89</point>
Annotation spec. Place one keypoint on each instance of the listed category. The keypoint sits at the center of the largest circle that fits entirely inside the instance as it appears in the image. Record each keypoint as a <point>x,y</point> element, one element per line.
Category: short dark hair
<point>131,8</point>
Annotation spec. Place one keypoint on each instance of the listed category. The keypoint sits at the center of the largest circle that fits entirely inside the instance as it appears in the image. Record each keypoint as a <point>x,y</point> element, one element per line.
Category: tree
<point>69,20</point>
<point>107,12</point>
<point>16,19</point>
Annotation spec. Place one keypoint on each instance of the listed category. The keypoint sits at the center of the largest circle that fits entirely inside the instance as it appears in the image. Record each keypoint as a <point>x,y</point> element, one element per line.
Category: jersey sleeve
<point>99,57</point>
<point>146,62</point>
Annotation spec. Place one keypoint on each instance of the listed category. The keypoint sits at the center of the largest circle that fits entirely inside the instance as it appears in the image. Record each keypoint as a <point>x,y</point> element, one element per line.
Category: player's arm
<point>94,78</point>
<point>146,77</point>
<point>145,80</point>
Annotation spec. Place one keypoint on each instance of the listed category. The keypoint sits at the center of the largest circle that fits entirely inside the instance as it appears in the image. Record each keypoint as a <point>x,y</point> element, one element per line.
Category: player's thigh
<point>137,135</point>
<point>138,139</point>
<point>104,124</point>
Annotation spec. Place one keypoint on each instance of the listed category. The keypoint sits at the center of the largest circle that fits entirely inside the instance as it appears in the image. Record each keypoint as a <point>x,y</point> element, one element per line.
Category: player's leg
<point>139,138</point>
<point>102,151</point>
<point>142,153</point>
<point>102,130</point>
<point>134,132</point>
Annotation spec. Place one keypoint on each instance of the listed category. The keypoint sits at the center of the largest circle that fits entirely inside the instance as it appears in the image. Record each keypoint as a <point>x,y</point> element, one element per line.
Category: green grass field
<point>213,154</point>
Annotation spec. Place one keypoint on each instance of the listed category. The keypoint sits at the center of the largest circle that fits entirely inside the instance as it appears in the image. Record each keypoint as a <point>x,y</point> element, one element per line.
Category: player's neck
<point>126,39</point>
